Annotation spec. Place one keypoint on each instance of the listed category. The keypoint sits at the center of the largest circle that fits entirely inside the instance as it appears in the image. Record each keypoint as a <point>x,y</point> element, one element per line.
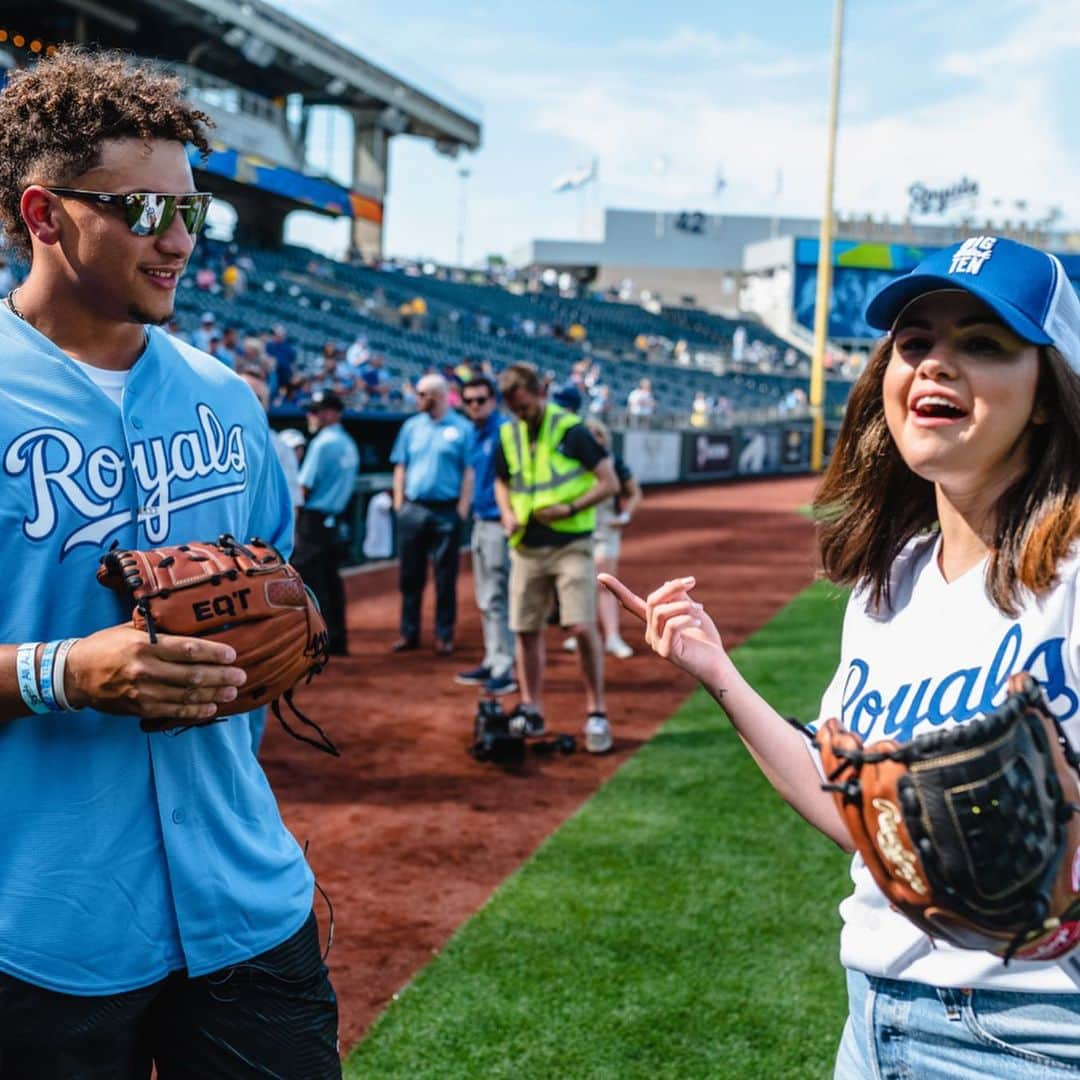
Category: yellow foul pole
<point>824,269</point>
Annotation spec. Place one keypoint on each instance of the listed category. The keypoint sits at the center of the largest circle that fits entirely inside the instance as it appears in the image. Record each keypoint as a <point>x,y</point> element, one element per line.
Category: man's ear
<point>39,212</point>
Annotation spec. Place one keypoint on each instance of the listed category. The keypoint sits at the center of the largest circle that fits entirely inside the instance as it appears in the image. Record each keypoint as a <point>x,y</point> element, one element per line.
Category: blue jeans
<point>909,1031</point>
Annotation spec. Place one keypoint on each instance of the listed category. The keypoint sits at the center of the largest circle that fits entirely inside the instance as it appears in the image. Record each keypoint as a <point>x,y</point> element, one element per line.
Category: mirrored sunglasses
<point>149,213</point>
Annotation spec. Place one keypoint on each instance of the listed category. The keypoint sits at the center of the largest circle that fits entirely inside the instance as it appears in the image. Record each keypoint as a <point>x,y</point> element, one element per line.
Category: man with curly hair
<point>153,907</point>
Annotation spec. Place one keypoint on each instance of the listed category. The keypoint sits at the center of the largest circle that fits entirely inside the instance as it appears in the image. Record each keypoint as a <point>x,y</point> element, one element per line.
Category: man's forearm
<point>399,486</point>
<point>466,496</point>
<point>502,497</point>
<point>604,488</point>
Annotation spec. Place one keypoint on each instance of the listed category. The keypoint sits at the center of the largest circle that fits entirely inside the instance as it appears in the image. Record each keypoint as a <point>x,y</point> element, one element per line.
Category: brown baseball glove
<point>245,595</point>
<point>972,832</point>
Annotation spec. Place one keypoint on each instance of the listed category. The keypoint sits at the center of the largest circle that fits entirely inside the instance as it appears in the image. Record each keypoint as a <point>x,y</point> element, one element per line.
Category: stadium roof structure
<point>259,47</point>
<point>248,64</point>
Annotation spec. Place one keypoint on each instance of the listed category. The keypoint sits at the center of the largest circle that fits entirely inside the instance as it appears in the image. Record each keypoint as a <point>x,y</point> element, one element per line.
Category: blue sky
<point>669,96</point>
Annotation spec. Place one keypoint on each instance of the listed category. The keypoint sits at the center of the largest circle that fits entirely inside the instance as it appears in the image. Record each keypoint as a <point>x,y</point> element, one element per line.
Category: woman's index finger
<point>629,600</point>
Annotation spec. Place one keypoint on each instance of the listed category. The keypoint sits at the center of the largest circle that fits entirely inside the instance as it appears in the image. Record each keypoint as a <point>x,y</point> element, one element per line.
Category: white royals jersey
<point>942,656</point>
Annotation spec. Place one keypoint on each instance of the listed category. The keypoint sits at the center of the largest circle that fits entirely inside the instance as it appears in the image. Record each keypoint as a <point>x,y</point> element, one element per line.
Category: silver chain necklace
<point>10,301</point>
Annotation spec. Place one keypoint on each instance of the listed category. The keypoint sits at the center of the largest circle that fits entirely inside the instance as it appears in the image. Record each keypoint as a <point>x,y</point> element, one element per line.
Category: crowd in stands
<point>368,333</point>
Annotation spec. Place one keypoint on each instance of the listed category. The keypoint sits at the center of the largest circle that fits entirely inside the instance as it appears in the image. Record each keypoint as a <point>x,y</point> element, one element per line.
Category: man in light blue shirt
<point>328,479</point>
<point>146,879</point>
<point>430,458</point>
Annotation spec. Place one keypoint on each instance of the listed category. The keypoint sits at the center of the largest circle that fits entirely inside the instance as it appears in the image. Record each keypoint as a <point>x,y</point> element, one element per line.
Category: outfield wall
<point>656,457</point>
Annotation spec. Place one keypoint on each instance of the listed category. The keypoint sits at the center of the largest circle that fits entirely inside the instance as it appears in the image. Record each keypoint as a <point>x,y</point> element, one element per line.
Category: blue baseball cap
<point>568,396</point>
<point>1026,288</point>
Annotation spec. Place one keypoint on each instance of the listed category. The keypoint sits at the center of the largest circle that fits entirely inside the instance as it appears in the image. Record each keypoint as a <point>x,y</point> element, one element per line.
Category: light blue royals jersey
<point>126,856</point>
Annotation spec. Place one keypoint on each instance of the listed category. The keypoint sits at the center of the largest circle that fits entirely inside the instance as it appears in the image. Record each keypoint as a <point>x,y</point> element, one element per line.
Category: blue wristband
<point>25,669</point>
<point>48,659</point>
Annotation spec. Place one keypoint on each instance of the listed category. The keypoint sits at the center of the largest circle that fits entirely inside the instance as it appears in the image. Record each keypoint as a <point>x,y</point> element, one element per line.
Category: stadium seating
<point>320,300</point>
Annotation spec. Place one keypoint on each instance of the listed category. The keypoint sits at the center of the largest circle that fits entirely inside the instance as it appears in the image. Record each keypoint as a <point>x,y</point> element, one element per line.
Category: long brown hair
<point>870,504</point>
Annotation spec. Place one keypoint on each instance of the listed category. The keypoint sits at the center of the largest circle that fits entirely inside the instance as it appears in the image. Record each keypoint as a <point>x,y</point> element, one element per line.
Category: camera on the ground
<point>494,739</point>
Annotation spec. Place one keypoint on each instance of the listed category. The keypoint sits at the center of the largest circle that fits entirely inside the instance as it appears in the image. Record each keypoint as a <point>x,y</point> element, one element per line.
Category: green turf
<point>683,924</point>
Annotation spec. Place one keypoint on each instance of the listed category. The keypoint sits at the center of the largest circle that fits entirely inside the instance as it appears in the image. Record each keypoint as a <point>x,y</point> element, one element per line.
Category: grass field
<point>682,924</point>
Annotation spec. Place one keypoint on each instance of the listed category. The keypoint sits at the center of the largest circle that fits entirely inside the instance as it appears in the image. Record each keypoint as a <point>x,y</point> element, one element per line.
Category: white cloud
<point>1045,31</point>
<point>710,100</point>
<point>690,41</point>
<point>993,130</point>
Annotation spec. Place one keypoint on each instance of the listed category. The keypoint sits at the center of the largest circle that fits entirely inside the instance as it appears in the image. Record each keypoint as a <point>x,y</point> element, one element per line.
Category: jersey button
<point>136,423</point>
<point>179,817</point>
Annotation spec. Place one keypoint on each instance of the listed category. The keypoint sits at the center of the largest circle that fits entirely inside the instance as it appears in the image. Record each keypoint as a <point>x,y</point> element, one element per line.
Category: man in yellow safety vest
<point>550,473</point>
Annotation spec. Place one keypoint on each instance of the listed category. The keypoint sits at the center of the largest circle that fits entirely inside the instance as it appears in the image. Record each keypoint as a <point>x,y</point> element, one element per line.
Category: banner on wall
<point>654,457</point>
<point>709,455</point>
<point>759,451</point>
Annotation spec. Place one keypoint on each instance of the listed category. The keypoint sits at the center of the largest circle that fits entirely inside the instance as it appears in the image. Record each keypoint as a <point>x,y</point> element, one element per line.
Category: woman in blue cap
<point>950,506</point>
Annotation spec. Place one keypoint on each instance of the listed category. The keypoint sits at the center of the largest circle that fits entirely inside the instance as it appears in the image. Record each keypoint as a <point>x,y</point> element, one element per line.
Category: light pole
<point>464,173</point>
<point>824,270</point>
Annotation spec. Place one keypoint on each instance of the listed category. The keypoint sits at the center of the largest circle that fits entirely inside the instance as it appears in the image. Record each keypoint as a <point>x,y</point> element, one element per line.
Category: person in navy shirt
<point>429,458</point>
<point>154,910</point>
<point>490,551</point>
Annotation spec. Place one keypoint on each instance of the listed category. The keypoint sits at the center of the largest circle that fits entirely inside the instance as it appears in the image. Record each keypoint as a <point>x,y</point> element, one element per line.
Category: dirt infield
<point>408,835</point>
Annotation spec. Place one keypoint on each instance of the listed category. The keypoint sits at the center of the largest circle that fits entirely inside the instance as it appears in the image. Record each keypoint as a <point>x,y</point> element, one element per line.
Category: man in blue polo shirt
<point>429,470</point>
<point>328,479</point>
<point>490,551</point>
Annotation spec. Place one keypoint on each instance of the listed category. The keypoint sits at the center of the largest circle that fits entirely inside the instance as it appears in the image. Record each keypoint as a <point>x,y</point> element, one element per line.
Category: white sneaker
<point>619,649</point>
<point>598,738</point>
<point>569,644</point>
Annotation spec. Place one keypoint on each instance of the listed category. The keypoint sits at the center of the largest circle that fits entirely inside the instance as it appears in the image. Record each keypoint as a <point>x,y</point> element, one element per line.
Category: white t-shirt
<point>640,402</point>
<point>942,656</point>
<point>110,382</point>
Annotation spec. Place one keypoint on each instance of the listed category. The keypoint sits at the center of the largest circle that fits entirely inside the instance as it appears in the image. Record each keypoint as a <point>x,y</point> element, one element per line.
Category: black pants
<point>318,558</point>
<point>273,1016</point>
<point>428,531</point>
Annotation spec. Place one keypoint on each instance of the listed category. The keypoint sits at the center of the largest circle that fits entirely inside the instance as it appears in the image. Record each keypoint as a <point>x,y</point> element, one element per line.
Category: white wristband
<point>59,666</point>
<point>26,671</point>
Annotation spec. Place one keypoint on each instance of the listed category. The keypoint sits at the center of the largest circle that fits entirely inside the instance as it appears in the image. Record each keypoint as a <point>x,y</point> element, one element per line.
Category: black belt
<point>435,504</point>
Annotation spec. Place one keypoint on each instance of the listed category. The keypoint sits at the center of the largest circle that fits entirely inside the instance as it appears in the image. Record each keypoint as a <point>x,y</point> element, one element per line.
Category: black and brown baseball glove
<point>245,595</point>
<point>972,832</point>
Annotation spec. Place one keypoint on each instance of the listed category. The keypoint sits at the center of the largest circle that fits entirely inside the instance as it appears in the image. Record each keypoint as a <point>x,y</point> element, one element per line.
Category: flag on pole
<point>572,181</point>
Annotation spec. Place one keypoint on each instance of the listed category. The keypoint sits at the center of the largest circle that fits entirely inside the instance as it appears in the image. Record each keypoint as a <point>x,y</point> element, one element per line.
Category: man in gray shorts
<point>550,473</point>
<point>490,557</point>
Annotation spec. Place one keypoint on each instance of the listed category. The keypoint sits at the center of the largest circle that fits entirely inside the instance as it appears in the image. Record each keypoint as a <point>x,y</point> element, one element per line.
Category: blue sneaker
<point>501,684</point>
<point>477,676</point>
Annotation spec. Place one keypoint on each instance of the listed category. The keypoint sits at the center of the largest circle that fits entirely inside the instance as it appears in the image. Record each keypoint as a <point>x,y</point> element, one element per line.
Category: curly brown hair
<point>55,115</point>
